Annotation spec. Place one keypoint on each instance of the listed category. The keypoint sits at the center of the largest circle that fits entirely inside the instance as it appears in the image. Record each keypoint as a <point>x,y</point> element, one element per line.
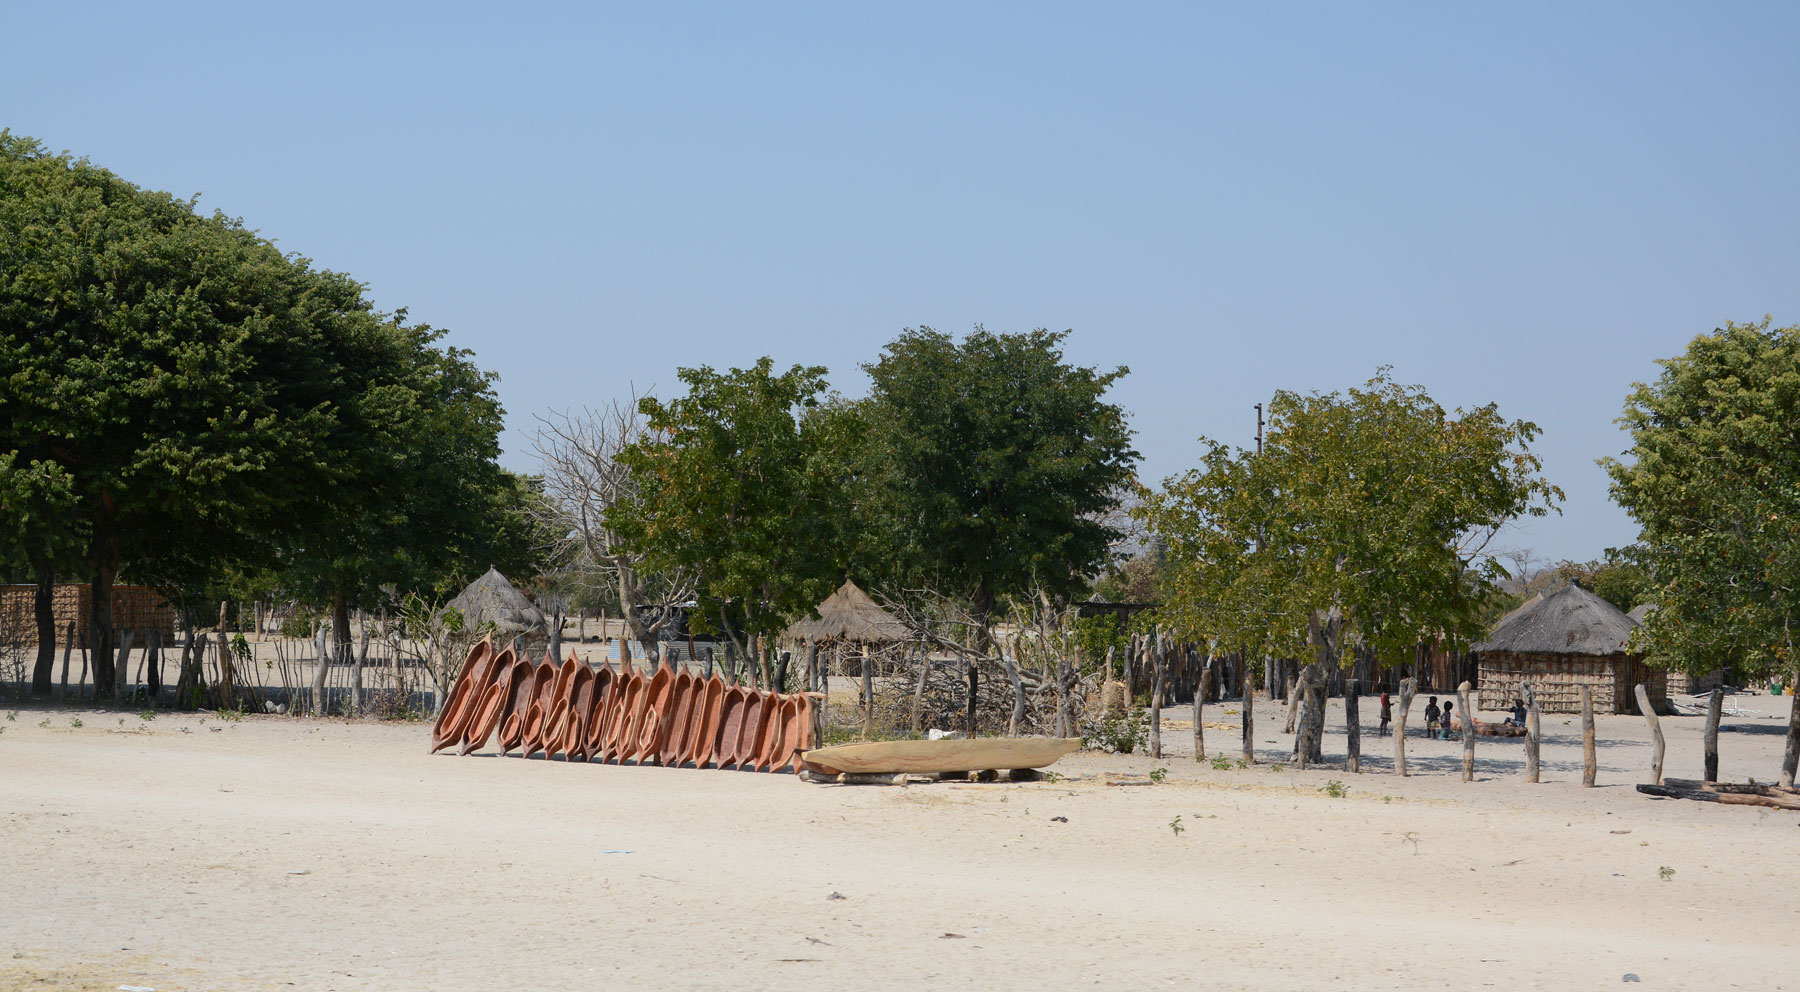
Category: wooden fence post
<point>1468,718</point>
<point>1532,740</point>
<point>1589,766</point>
<point>1352,726</point>
<point>1200,711</point>
<point>1656,766</point>
<point>1408,686</point>
<point>62,691</point>
<point>1153,648</point>
<point>1249,715</point>
<point>1715,705</point>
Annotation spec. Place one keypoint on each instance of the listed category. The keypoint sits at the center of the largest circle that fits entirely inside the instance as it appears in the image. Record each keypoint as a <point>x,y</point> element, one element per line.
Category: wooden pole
<point>122,669</point>
<point>1715,706</point>
<point>1791,757</point>
<point>1200,711</point>
<point>1589,767</point>
<point>918,702</point>
<point>1106,682</point>
<point>1533,736</point>
<point>1468,719</point>
<point>1153,647</point>
<point>1408,687</point>
<point>1656,766</point>
<point>1352,726</point>
<point>1293,703</point>
<point>868,693</point>
<point>62,691</point>
<point>1249,715</point>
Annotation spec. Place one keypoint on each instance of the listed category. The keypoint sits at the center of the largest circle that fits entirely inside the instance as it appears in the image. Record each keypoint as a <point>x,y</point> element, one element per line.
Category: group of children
<point>1437,719</point>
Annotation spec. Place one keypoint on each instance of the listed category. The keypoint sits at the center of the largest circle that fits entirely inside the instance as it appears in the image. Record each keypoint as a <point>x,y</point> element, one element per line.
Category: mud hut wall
<point>134,607</point>
<point>1558,678</point>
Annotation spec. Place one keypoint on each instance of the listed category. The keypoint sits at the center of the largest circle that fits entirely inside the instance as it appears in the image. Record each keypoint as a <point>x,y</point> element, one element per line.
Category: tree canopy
<point>726,490</point>
<point>1366,515</point>
<point>181,397</point>
<point>992,461</point>
<point>1713,479</point>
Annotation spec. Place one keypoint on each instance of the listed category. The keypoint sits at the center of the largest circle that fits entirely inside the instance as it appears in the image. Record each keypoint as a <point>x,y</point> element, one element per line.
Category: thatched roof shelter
<point>492,599</point>
<point>850,616</point>
<point>1639,612</point>
<point>1560,642</point>
<point>1570,620</point>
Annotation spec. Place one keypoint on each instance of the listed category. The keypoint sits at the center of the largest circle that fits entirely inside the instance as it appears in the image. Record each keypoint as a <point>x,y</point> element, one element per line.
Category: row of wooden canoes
<point>663,716</point>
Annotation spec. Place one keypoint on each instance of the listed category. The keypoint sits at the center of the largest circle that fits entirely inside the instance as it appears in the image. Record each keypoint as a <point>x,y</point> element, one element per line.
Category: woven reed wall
<point>1558,678</point>
<point>134,607</point>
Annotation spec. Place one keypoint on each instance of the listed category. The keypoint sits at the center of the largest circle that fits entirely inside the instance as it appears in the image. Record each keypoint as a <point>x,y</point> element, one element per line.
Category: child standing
<point>1449,705</point>
<point>1387,713</point>
<point>1431,718</point>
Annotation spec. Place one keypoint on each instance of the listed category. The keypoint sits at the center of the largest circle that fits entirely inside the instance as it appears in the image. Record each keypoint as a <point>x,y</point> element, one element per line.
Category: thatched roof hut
<point>492,599</point>
<point>849,616</point>
<point>1566,639</point>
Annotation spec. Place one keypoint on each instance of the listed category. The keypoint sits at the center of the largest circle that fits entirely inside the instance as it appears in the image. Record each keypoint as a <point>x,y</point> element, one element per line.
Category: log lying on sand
<point>1732,794</point>
<point>1486,729</point>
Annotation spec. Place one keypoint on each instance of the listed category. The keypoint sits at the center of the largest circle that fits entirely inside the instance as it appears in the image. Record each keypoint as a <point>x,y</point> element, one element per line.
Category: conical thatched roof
<point>1570,620</point>
<point>1640,611</point>
<point>850,615</point>
<point>492,599</point>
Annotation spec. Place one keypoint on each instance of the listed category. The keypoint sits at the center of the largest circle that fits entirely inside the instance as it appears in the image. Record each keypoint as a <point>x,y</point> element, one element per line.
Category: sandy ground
<point>190,852</point>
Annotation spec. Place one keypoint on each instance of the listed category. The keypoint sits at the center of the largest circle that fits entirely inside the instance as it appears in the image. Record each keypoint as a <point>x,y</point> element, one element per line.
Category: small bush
<point>1335,789</point>
<point>75,722</point>
<point>1175,824</point>
<point>1665,872</point>
<point>1221,763</point>
<point>147,715</point>
<point>1158,774</point>
<point>1120,734</point>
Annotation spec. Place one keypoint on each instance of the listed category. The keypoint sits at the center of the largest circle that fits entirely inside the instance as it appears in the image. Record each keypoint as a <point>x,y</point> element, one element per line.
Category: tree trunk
<point>1589,766</point>
<point>104,560</point>
<point>1715,706</point>
<point>1127,670</point>
<point>1468,737</point>
<point>153,669</point>
<point>81,681</point>
<point>1533,738</point>
<point>1408,687</point>
<point>362,659</point>
<point>1293,704</point>
<point>62,693</point>
<point>1315,719</point>
<point>974,686</point>
<point>1656,765</point>
<point>1352,727</point>
<point>868,693</point>
<point>1011,667</point>
<point>1249,715</point>
<point>1791,757</point>
<point>918,700</point>
<point>781,670</point>
<point>556,644</point>
<point>227,671</point>
<point>323,671</point>
<point>44,616</point>
<point>122,668</point>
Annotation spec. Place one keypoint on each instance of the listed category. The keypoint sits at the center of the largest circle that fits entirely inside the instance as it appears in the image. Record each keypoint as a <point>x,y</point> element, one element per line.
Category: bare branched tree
<point>582,481</point>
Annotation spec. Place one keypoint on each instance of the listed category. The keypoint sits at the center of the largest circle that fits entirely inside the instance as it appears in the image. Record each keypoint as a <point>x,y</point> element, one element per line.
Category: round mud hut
<point>492,600</point>
<point>1561,642</point>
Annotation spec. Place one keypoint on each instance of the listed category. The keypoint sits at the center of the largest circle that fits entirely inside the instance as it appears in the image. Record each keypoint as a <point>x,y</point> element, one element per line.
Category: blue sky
<point>1519,203</point>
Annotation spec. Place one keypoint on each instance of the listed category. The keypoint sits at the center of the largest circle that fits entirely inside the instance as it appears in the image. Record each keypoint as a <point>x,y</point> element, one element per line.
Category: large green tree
<point>728,489</point>
<point>189,399</point>
<point>990,463</point>
<point>1366,516</point>
<point>1713,479</point>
